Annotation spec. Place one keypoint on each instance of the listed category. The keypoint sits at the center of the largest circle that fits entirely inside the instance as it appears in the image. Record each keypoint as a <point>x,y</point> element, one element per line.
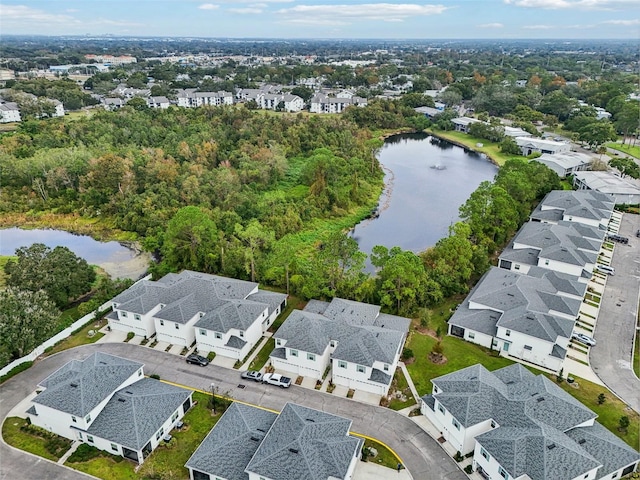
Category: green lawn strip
<point>492,150</point>
<point>293,303</point>
<point>459,354</point>
<point>384,457</point>
<point>263,355</point>
<point>36,444</point>
<point>81,337</point>
<point>107,467</point>
<point>632,150</point>
<point>636,355</point>
<point>400,384</point>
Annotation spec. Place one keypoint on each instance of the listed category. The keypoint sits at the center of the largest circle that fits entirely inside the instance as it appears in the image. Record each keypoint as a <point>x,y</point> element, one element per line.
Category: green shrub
<point>130,335</point>
<point>84,453</point>
<point>407,353</point>
<point>15,371</point>
<point>468,469</point>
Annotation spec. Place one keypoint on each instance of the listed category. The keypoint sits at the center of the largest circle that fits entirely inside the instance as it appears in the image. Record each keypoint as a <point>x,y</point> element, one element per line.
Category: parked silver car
<point>586,339</point>
<point>252,375</point>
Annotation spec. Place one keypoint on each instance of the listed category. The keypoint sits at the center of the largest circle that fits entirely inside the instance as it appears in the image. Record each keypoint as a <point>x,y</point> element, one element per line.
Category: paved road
<point>422,456</point>
<point>611,358</point>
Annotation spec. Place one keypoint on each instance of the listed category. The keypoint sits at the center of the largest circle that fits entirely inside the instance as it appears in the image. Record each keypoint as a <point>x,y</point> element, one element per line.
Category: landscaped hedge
<point>16,370</point>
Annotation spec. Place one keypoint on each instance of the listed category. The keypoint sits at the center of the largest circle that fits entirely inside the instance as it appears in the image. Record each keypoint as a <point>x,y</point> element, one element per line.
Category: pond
<point>427,180</point>
<point>116,259</point>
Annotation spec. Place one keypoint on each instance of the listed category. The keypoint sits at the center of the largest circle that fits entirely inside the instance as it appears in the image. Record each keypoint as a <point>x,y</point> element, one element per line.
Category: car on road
<point>586,339</point>
<point>277,380</point>
<point>252,375</point>
<point>196,359</point>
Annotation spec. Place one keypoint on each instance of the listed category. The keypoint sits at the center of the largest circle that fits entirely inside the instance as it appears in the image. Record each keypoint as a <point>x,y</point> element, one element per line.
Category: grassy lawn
<point>293,303</point>
<point>634,151</point>
<point>492,150</point>
<point>35,444</point>
<point>636,356</point>
<point>107,467</point>
<point>385,457</point>
<point>263,355</point>
<point>79,338</point>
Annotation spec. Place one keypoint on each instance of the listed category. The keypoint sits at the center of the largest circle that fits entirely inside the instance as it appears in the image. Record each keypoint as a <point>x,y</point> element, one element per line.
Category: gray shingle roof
<point>305,444</point>
<point>526,303</point>
<point>237,314</point>
<point>360,336</point>
<point>235,342</point>
<point>539,425</point>
<point>575,203</point>
<point>228,448</point>
<point>80,385</point>
<point>135,413</point>
<point>273,299</point>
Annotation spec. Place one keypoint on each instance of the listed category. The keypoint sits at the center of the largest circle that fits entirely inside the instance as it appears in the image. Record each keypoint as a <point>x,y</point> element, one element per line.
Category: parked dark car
<point>197,360</point>
<point>618,238</point>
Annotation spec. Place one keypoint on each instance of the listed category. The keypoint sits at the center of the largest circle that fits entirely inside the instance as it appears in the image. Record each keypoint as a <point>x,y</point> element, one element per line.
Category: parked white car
<point>276,379</point>
<point>586,339</point>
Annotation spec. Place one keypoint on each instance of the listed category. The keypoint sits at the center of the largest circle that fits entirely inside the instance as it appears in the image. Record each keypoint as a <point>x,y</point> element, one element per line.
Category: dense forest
<point>260,196</point>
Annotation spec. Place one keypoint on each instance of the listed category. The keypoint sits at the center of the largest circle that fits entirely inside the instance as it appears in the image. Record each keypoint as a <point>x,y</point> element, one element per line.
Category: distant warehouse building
<point>622,190</point>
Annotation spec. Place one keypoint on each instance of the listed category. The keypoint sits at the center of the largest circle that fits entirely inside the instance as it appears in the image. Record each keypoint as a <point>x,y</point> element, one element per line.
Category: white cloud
<point>323,22</point>
<point>22,13</point>
<point>626,23</point>
<point>491,25</point>
<point>341,14</point>
<point>71,10</point>
<point>208,6</point>
<point>247,10</point>
<point>573,4</point>
<point>538,27</point>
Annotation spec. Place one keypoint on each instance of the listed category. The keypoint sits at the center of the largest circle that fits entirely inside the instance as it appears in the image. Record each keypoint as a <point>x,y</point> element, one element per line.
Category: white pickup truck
<point>276,379</point>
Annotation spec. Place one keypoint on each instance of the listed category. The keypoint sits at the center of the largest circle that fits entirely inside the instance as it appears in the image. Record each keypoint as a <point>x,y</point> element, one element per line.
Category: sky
<point>476,19</point>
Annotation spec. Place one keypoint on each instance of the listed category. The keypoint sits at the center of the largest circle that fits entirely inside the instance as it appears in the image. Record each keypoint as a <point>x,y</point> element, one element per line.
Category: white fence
<point>39,350</point>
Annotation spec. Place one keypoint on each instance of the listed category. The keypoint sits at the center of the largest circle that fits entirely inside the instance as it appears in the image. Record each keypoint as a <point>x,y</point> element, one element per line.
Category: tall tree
<point>256,239</point>
<point>190,240</point>
<point>341,263</point>
<point>26,320</point>
<point>59,272</point>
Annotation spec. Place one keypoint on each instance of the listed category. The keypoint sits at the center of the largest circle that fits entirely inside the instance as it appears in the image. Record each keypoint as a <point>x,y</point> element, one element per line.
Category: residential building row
<point>526,307</point>
<point>360,344</point>
<point>106,402</point>
<point>218,314</point>
<point>518,426</point>
<point>10,111</point>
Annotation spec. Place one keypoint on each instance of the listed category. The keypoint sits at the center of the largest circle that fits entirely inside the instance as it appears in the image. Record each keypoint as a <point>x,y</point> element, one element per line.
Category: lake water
<point>427,180</point>
<point>116,259</point>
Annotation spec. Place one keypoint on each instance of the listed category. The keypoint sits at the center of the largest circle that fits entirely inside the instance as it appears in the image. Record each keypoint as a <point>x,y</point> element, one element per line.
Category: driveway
<point>422,456</point>
<point>611,358</point>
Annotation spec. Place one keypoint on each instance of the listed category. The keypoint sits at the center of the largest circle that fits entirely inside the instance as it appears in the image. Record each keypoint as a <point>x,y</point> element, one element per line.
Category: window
<point>455,423</point>
<point>89,438</point>
<point>528,347</point>
<point>140,372</point>
<point>278,342</point>
<point>493,424</point>
<point>203,332</point>
<point>174,417</point>
<point>311,356</point>
<point>440,408</point>
<point>333,343</point>
<point>87,418</point>
<point>73,419</point>
<point>503,473</point>
<point>80,435</point>
<point>517,267</point>
<point>124,314</point>
<point>360,369</point>
<point>485,454</point>
<point>241,334</point>
<point>218,335</point>
<point>159,433</point>
<point>177,326</point>
<point>342,364</point>
<point>385,367</point>
<point>201,314</point>
<point>294,353</point>
<point>505,346</point>
<point>472,335</point>
<point>137,317</point>
<point>115,305</point>
<point>162,322</point>
<point>114,447</point>
<point>546,262</point>
<point>508,333</point>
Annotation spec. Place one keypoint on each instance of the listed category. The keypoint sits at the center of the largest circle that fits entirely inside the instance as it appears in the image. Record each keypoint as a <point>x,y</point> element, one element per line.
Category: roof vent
<point>509,382</point>
<point>473,378</point>
<point>511,294</point>
<point>74,385</point>
<point>540,399</point>
<point>121,400</point>
<point>255,439</point>
<point>310,420</point>
<point>129,392</point>
<point>293,450</point>
<point>102,363</point>
<point>529,317</point>
<point>551,447</point>
<point>582,441</point>
<point>260,430</point>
